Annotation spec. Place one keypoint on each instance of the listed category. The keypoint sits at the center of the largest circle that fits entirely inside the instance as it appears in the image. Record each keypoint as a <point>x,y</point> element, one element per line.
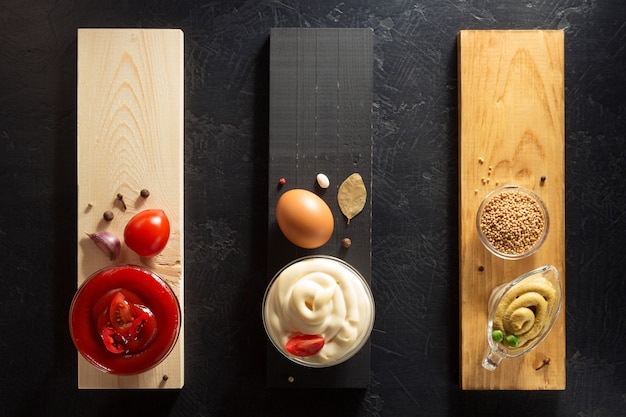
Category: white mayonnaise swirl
<point>320,296</point>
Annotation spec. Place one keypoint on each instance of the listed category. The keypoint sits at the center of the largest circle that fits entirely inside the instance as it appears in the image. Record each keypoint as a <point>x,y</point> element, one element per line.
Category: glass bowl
<point>512,222</point>
<point>124,319</point>
<point>521,314</point>
<point>318,301</point>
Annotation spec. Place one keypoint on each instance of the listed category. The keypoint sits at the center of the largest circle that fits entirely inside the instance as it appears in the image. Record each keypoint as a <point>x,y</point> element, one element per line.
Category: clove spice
<point>545,362</point>
<point>120,198</point>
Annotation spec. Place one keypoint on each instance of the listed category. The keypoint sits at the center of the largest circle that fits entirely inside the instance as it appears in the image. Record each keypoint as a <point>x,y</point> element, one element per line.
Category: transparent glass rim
<point>351,352</point>
<point>516,188</point>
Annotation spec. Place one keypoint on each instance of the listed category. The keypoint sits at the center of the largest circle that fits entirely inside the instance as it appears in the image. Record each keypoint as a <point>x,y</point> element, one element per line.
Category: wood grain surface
<point>511,109</point>
<point>321,121</point>
<point>415,205</point>
<point>130,137</point>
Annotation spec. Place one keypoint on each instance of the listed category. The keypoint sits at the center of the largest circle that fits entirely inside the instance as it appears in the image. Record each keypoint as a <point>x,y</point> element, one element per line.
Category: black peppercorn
<point>108,215</point>
<point>145,193</point>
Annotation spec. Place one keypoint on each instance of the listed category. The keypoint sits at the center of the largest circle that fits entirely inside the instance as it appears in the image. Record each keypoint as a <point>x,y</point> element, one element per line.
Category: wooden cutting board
<point>511,113</point>
<point>321,83</point>
<point>130,137</point>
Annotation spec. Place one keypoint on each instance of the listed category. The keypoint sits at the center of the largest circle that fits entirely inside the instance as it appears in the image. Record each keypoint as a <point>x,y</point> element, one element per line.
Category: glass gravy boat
<point>521,314</point>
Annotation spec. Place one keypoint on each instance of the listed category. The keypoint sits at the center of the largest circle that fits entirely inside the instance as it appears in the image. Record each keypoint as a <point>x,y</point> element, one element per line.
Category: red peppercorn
<point>282,181</point>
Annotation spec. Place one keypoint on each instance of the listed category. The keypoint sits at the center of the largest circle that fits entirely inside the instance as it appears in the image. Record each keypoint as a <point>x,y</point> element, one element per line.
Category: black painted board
<point>320,121</point>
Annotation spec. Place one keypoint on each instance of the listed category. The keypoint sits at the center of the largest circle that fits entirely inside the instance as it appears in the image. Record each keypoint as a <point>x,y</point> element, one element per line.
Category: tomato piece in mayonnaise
<point>322,296</point>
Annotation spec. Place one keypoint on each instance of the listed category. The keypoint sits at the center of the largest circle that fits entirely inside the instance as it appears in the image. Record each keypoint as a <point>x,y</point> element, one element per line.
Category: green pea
<point>512,340</point>
<point>497,336</point>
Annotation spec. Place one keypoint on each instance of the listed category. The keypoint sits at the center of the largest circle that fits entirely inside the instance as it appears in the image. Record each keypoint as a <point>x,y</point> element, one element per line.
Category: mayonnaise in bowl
<point>318,311</point>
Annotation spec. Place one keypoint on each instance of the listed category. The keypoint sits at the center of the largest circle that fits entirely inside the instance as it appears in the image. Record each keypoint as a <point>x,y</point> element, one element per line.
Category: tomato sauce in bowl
<point>124,320</point>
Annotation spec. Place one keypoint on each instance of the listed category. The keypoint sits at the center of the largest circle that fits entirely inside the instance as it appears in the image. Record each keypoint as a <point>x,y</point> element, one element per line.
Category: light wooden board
<point>511,110</point>
<point>321,84</point>
<point>130,137</point>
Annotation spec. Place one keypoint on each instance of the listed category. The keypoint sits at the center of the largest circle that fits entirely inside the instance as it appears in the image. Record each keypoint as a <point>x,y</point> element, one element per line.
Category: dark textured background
<point>415,262</point>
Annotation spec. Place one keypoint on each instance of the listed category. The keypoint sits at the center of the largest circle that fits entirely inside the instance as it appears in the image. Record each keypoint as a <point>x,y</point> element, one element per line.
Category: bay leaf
<point>351,196</point>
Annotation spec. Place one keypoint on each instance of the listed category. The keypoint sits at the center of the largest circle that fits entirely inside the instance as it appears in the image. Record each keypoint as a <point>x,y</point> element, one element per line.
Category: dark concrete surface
<point>414,366</point>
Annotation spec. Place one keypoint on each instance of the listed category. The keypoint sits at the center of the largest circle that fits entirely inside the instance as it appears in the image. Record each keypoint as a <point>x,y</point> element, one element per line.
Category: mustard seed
<point>512,222</point>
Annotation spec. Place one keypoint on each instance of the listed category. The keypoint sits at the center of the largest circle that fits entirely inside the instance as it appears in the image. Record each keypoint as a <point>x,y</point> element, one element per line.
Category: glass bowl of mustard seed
<point>512,222</point>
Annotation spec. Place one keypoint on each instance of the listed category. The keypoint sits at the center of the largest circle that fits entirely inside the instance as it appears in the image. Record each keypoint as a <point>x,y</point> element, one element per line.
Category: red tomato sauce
<point>139,286</point>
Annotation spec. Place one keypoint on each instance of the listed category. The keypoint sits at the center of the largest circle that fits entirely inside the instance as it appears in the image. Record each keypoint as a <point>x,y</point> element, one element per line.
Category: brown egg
<point>304,218</point>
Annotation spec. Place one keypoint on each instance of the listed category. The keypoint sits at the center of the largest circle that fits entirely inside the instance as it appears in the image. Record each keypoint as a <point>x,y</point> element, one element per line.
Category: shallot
<point>107,242</point>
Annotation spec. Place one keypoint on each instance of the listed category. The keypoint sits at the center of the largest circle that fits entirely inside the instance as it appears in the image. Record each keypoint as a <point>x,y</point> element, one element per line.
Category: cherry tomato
<point>304,345</point>
<point>147,232</point>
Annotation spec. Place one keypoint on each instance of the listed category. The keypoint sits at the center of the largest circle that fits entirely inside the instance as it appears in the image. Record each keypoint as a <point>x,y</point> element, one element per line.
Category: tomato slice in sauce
<point>125,327</point>
<point>119,312</point>
<point>112,340</point>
